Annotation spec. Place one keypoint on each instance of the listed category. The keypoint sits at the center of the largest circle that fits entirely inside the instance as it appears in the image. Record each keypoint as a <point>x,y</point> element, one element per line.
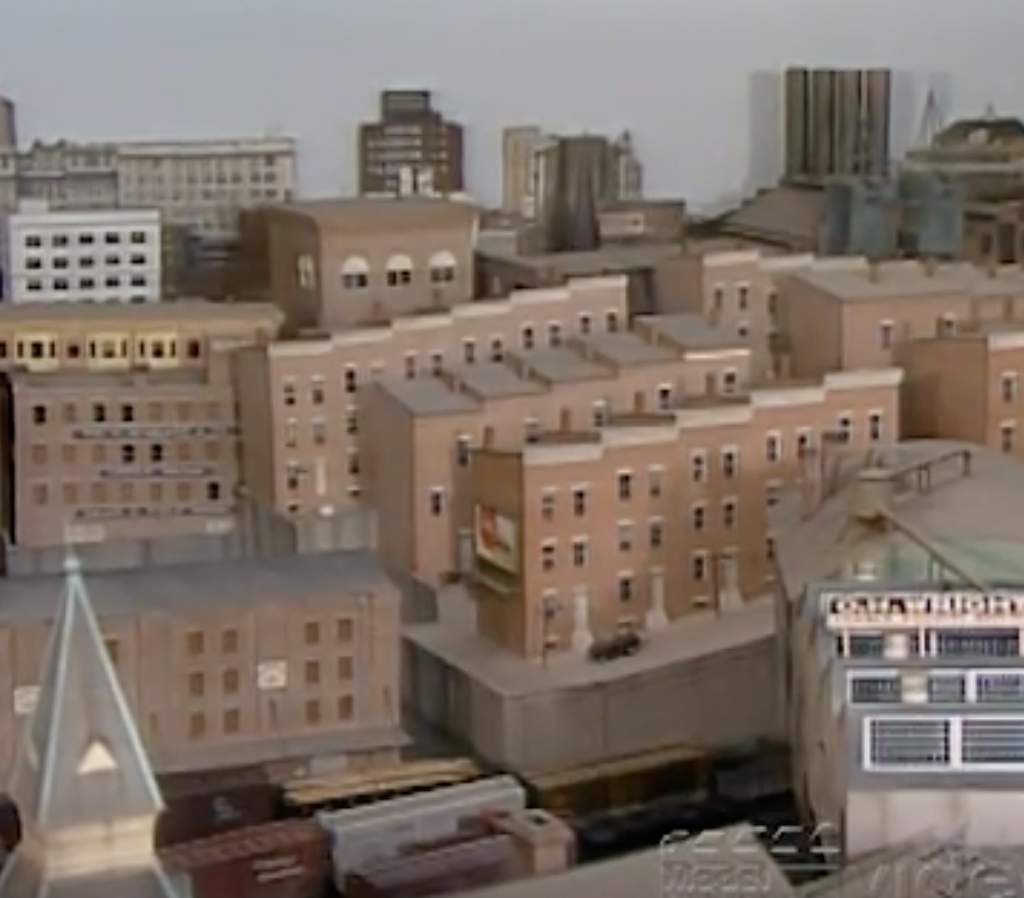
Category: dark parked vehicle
<point>621,645</point>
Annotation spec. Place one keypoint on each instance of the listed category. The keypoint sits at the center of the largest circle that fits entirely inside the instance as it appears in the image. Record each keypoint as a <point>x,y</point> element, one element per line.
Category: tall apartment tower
<point>519,144</point>
<point>411,150</point>
<point>837,122</point>
<point>8,124</point>
<point>580,176</point>
<point>88,798</point>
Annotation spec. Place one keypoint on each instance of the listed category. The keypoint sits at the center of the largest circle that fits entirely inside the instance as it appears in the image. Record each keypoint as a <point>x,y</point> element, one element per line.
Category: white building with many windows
<point>901,621</point>
<point>104,256</point>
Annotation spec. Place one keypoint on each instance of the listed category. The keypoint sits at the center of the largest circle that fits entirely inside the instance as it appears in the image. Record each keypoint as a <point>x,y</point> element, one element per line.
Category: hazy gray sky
<point>675,72</point>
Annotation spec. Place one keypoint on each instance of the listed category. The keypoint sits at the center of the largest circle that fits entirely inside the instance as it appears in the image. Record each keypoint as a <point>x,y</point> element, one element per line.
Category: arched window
<point>355,273</point>
<point>442,268</point>
<point>305,271</point>
<point>399,271</point>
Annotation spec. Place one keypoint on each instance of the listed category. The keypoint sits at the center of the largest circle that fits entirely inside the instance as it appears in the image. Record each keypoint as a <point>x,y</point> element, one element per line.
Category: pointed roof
<point>80,760</point>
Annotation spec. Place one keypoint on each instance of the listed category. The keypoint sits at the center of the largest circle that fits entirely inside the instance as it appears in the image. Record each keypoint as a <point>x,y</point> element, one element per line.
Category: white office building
<point>105,256</point>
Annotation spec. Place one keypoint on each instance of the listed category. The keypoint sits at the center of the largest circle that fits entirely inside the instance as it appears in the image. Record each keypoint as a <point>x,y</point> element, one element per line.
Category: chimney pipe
<point>873,271</point>
<point>992,266</point>
<point>639,401</point>
<point>488,439</point>
<point>565,420</point>
<point>928,263</point>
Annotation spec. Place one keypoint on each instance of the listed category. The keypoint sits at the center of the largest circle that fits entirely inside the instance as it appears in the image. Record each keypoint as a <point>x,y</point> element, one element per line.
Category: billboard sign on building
<point>883,608</point>
<point>495,545</point>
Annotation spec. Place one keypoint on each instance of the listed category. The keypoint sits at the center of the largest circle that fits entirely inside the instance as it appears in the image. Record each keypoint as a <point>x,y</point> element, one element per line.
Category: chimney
<point>565,420</point>
<point>1008,308</point>
<point>639,401</point>
<point>488,439</point>
<point>812,481</point>
<point>992,266</point>
<point>873,271</point>
<point>929,265</point>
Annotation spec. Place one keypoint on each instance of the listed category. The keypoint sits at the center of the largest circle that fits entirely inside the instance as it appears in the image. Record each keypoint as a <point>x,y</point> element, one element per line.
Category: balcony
<point>154,512</point>
<point>134,472</point>
<point>152,431</point>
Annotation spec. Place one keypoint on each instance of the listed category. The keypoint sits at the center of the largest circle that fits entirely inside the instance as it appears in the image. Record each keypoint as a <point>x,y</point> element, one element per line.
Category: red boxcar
<point>288,859</point>
<point>206,803</point>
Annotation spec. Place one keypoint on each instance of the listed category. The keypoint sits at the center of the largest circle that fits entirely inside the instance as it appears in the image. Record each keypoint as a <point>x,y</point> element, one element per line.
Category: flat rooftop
<point>910,280</point>
<point>365,214</point>
<point>561,365</point>
<point>509,675</point>
<point>975,519</point>
<point>194,587</point>
<point>606,260</point>
<point>94,382</point>
<point>180,311</point>
<point>625,348</point>
<point>692,332</point>
<point>427,396</point>
<point>495,380</point>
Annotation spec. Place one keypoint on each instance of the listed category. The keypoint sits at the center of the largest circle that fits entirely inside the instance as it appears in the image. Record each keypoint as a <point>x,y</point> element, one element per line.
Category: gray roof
<point>624,348</point>
<point>912,280</point>
<point>176,313</point>
<point>975,520</point>
<point>191,588</point>
<point>561,365</point>
<point>427,396</point>
<point>495,380</point>
<point>692,331</point>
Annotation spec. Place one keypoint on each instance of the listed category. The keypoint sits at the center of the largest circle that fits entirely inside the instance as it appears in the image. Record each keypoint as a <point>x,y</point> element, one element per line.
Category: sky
<point>677,73</point>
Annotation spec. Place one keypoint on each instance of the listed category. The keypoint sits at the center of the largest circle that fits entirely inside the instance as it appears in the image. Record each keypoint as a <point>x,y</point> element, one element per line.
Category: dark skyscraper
<point>584,178</point>
<point>412,150</point>
<point>837,122</point>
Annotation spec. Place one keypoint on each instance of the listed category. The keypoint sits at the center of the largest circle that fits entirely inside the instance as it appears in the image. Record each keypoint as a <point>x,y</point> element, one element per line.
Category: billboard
<point>495,540</point>
<point>897,609</point>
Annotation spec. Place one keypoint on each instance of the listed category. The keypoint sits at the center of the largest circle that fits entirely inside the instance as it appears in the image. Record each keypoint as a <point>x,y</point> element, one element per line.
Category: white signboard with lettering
<point>887,609</point>
<point>25,700</point>
<point>272,675</point>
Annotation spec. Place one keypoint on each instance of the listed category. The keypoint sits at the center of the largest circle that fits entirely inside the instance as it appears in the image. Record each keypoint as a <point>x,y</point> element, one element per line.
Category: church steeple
<point>81,779</point>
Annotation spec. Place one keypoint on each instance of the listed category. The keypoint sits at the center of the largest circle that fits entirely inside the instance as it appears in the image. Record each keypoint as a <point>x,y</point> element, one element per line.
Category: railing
<point>151,431</point>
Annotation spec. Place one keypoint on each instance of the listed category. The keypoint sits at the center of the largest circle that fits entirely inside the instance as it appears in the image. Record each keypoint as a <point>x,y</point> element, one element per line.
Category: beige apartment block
<point>847,315</point>
<point>121,418</point>
<point>653,517</point>
<point>341,263</point>
<point>968,386</point>
<point>300,400</point>
<point>430,426</point>
<point>277,661</point>
<point>519,144</point>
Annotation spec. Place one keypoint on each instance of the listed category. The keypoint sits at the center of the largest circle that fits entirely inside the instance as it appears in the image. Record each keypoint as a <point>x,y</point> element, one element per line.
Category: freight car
<point>287,859</point>
<point>200,804</point>
<point>310,795</point>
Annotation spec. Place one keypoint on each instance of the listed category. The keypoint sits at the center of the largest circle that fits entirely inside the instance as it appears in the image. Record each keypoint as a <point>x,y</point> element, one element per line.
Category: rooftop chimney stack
<point>929,265</point>
<point>873,271</point>
<point>812,480</point>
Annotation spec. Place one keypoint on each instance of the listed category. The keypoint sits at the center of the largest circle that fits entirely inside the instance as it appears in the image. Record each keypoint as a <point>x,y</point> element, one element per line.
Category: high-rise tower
<point>82,782</point>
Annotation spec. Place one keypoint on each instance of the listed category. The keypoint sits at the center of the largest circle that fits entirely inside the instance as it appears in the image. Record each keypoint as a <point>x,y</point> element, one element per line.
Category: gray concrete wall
<point>721,700</point>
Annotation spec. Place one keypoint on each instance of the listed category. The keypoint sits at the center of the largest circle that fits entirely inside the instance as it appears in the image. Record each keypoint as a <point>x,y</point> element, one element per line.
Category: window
<point>885,330</point>
<point>946,325</point>
<point>600,412</point>
<point>547,505</point>
<point>866,645</point>
<point>196,685</point>
<point>353,462</point>
<point>655,482</point>
<point>611,321</point>
<point>992,740</point>
<point>990,643</point>
<point>580,551</point>
<point>436,362</point>
<point>528,339</point>
<point>698,516</point>
<point>355,274</point>
<point>699,566</point>
<point>773,448</point>
<point>497,350</point>
<point>730,463</point>
<point>586,324</point>
<point>548,554</point>
<point>803,442</point>
<point>625,587</point>
<point>743,329</point>
<point>1010,387</point>
<point>699,466</point>
<point>351,379</point>
<point>1008,436</point>
<point>656,533</point>
<point>232,720</point>
<point>532,430</point>
<point>665,397</point>
<point>436,501</point>
<point>730,513</point>
<point>874,689</point>
<point>33,241</point>
<point>345,668</point>
<point>288,391</point>
<point>312,712</point>
<point>128,413</point>
<point>196,725</point>
<point>742,297</point>
<point>469,351</point>
<point>876,427</point>
<point>1001,688</point>
<point>462,447</point>
<point>351,420</point>
<point>579,502</point>
<point>625,485</point>
<point>318,427</point>
<point>345,707</point>
<point>127,455</point>
<point>317,391</point>
<point>344,629</point>
<point>39,414</point>
<point>907,742</point>
<point>112,238</point>
<point>410,365</point>
<point>844,428</point>
<point>554,334</point>
<point>946,688</point>
<point>772,493</point>
<point>213,492</point>
<point>625,536</point>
